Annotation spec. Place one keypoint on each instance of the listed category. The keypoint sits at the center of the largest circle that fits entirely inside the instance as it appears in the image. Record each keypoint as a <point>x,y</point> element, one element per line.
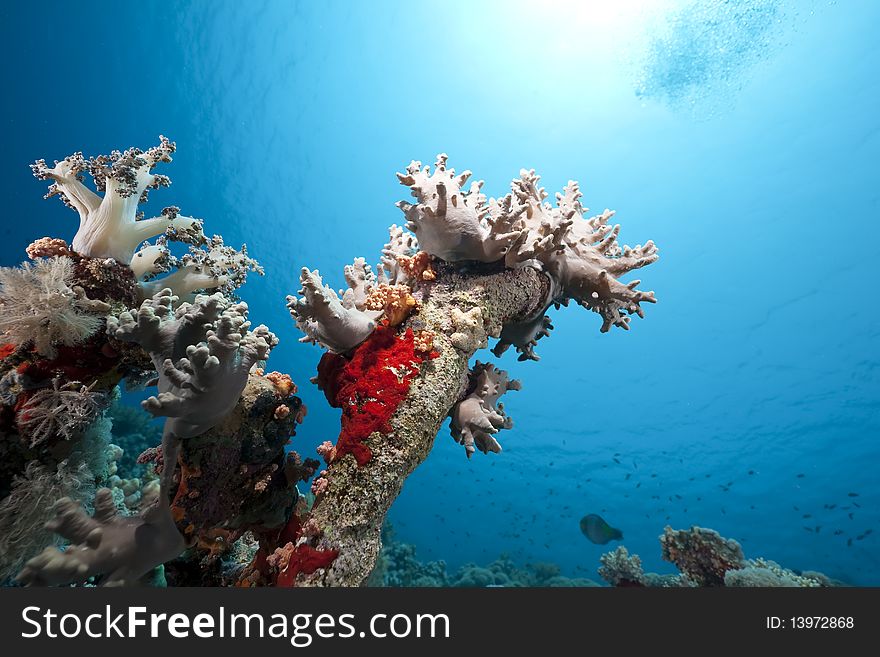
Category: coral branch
<point>120,549</point>
<point>358,493</point>
<point>473,269</point>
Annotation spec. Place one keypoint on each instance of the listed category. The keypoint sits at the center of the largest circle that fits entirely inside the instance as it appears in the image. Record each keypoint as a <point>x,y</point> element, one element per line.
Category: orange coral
<point>423,341</point>
<point>396,300</point>
<point>284,385</point>
<point>418,266</point>
<point>47,247</point>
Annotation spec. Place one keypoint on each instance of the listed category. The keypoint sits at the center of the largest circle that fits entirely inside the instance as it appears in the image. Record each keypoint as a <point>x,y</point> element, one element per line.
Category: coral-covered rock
<point>369,387</point>
<point>235,475</point>
<point>703,555</point>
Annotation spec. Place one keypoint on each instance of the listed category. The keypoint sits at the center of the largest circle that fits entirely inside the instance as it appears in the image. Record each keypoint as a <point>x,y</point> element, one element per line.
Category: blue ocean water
<point>743,138</point>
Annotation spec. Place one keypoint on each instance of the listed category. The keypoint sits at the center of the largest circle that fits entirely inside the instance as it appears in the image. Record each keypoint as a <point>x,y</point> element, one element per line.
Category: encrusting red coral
<point>304,559</point>
<point>369,386</point>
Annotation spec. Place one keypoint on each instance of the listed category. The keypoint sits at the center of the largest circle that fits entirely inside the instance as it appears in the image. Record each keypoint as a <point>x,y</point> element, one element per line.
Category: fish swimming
<point>598,531</point>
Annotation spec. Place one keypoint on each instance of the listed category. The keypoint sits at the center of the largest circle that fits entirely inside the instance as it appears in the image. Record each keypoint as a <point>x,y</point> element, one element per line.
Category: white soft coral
<point>109,226</point>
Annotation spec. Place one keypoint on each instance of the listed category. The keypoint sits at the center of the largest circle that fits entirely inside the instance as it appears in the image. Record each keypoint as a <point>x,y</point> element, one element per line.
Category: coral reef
<point>400,342</point>
<point>703,555</point>
<point>703,558</point>
<point>620,568</point>
<point>222,469</point>
<point>760,572</point>
<point>203,353</point>
<point>398,566</point>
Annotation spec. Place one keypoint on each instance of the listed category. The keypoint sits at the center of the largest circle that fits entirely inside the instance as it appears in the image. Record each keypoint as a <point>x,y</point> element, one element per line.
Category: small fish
<point>809,529</point>
<point>808,515</point>
<point>751,472</point>
<point>857,505</point>
<point>853,494</point>
<point>598,531</point>
<point>838,532</point>
<point>616,460</point>
<point>849,542</point>
<point>628,475</point>
<point>801,475</point>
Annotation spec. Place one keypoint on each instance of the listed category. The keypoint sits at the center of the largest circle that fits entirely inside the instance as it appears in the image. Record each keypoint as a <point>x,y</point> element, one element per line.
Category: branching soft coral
<point>30,503</point>
<point>580,254</point>
<point>112,227</point>
<point>40,305</point>
<point>336,324</point>
<point>203,352</point>
<point>209,265</point>
<point>478,417</point>
<point>109,226</point>
<point>450,223</point>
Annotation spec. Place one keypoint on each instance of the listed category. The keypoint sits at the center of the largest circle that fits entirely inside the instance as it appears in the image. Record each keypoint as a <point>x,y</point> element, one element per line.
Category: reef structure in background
<point>704,558</point>
<point>465,269</point>
<point>398,566</point>
<point>88,316</point>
